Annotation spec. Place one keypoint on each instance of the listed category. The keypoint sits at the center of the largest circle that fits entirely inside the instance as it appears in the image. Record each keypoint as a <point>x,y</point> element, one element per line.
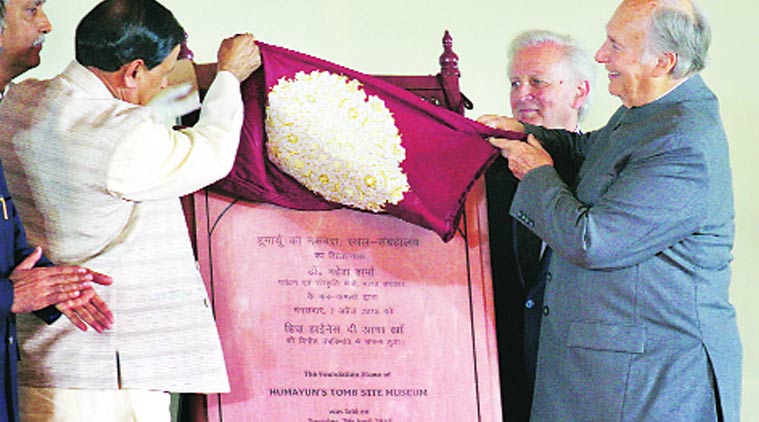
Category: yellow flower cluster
<point>331,137</point>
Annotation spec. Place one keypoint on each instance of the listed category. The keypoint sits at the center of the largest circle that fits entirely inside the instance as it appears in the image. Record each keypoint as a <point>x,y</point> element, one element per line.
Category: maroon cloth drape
<point>445,152</point>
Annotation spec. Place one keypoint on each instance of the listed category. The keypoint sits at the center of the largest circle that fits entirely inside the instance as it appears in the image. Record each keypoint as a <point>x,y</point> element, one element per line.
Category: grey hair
<point>578,58</point>
<point>684,32</point>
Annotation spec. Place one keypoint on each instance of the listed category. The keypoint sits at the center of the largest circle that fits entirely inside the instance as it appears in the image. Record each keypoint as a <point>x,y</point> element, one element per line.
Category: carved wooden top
<point>449,61</point>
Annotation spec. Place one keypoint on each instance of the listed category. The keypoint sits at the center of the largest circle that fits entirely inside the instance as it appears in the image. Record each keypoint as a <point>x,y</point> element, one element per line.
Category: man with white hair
<point>550,78</point>
<point>637,323</point>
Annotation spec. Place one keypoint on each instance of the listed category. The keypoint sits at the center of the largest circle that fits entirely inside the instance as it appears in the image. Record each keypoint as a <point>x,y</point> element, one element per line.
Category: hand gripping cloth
<point>319,136</point>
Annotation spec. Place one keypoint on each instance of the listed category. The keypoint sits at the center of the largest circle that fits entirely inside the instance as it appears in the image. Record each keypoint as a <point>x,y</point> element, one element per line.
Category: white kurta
<point>96,181</point>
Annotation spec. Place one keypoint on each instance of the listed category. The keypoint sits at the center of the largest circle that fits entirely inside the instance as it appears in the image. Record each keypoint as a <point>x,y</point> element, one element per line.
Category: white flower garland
<point>326,133</point>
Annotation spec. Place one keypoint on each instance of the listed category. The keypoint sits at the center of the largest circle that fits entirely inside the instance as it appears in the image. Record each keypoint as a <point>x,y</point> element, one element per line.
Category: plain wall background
<point>404,37</point>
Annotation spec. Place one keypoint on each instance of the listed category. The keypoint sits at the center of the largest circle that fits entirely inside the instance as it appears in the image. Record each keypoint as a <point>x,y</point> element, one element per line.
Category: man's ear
<point>132,72</point>
<point>581,94</point>
<point>665,63</point>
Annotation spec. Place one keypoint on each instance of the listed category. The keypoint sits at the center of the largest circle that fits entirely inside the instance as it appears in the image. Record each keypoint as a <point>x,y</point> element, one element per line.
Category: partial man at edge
<point>28,280</point>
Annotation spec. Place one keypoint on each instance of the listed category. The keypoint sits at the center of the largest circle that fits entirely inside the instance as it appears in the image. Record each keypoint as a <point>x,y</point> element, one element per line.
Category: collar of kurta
<point>84,79</point>
<point>319,136</point>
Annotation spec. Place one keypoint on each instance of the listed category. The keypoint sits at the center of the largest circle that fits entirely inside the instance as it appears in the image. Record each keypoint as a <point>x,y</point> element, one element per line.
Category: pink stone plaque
<point>348,316</point>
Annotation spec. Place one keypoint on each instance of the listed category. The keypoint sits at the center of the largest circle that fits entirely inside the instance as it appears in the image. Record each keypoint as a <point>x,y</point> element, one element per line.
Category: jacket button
<point>529,304</point>
<point>549,276</point>
<point>546,310</point>
<point>10,339</point>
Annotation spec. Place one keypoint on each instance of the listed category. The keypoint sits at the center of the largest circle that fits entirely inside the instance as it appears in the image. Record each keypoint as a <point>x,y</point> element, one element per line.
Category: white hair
<point>580,61</point>
<point>681,28</point>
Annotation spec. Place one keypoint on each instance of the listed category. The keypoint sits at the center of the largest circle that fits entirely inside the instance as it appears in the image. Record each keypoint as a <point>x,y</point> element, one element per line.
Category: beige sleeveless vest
<point>164,336</point>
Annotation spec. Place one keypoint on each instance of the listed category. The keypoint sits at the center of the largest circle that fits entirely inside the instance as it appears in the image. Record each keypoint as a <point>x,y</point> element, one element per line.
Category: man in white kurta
<point>97,179</point>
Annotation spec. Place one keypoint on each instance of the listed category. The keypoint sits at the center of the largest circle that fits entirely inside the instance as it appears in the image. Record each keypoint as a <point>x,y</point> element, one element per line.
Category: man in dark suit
<point>550,77</point>
<point>637,323</point>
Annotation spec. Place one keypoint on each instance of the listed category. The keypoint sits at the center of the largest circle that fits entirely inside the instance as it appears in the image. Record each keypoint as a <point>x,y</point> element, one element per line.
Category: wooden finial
<point>449,61</point>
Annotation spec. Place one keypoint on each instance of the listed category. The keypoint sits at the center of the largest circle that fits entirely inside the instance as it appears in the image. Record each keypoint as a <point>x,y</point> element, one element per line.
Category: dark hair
<point>117,32</point>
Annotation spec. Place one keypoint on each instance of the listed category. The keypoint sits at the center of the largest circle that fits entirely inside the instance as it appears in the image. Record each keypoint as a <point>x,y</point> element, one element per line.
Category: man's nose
<point>602,55</point>
<point>45,26</point>
<point>525,91</point>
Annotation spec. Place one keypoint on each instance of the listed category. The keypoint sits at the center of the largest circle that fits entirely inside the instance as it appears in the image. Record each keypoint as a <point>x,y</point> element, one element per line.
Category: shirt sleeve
<point>156,162</point>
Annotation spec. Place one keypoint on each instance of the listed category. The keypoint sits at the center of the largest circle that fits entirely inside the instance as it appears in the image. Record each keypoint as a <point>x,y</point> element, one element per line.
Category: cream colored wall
<point>391,36</point>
